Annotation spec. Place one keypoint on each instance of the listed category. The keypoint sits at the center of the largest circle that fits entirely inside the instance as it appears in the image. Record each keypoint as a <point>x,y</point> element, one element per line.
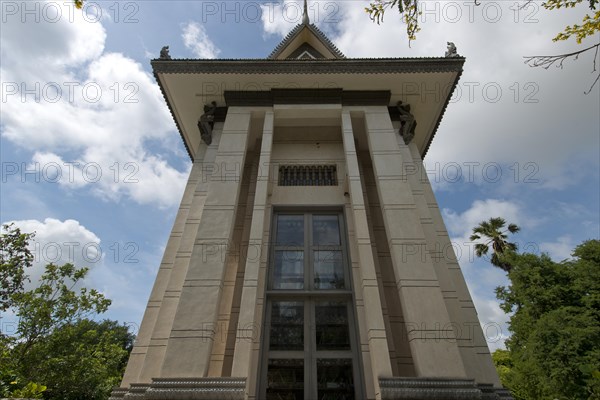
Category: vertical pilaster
<point>431,336</point>
<point>145,345</point>
<point>248,322</point>
<point>471,341</point>
<point>378,345</point>
<point>190,342</point>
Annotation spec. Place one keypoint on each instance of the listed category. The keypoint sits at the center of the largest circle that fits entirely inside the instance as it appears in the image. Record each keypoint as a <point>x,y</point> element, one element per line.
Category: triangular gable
<point>306,41</point>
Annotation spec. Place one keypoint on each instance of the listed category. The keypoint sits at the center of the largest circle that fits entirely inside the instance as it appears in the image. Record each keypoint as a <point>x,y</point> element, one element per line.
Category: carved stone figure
<point>408,122</point>
<point>207,122</point>
<point>451,50</point>
<point>164,53</point>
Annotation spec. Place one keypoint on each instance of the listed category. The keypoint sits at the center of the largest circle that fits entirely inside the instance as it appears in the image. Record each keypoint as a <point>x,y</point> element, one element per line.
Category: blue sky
<point>92,161</point>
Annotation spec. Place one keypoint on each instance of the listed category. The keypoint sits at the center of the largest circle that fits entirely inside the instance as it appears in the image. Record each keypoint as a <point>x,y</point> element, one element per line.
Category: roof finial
<point>305,20</point>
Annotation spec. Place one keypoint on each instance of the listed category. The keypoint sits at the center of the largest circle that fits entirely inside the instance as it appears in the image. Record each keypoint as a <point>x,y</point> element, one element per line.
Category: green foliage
<point>15,258</point>
<point>503,364</point>
<point>554,349</point>
<point>82,360</point>
<point>54,342</point>
<point>29,391</point>
<point>408,9</point>
<point>590,24</point>
<point>409,12</point>
<point>492,232</point>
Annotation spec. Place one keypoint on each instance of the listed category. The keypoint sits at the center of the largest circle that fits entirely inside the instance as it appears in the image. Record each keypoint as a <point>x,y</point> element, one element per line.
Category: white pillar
<point>432,340</point>
<point>378,345</point>
<point>190,342</point>
<point>249,320</point>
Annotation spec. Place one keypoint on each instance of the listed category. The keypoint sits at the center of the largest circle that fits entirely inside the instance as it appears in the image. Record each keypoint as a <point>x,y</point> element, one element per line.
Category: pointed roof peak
<point>306,34</point>
<point>305,20</point>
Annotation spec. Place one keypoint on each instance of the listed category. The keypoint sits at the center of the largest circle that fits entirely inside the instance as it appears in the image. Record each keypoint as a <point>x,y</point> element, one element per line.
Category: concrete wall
<point>205,313</point>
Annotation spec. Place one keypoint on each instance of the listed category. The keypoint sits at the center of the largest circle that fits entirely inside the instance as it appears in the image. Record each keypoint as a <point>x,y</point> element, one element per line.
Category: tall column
<point>247,321</point>
<point>431,337</point>
<point>378,345</point>
<point>160,293</point>
<point>164,321</point>
<point>472,344</point>
<point>190,342</point>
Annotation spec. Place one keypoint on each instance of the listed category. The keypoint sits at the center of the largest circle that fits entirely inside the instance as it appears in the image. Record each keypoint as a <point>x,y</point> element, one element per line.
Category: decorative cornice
<point>309,66</point>
<point>439,389</point>
<point>185,389</point>
<point>197,389</point>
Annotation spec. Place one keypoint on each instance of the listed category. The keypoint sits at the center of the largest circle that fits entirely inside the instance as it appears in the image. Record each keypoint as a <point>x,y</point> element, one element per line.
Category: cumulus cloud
<point>461,224</point>
<point>60,242</point>
<point>279,18</point>
<point>560,249</point>
<point>89,112</point>
<point>196,39</point>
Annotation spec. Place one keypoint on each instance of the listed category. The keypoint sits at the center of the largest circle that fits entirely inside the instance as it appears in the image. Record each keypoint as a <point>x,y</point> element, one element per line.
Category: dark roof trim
<point>311,67</point>
<point>316,31</point>
<point>307,96</point>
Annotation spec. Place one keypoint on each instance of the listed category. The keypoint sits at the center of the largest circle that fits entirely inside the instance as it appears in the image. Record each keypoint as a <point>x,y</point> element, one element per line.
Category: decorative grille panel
<point>308,175</point>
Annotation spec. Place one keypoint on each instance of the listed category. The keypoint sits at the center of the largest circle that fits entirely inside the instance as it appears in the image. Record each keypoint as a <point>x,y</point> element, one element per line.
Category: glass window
<point>335,379</point>
<point>288,270</point>
<point>290,230</point>
<point>329,269</point>
<point>331,319</point>
<point>326,230</point>
<point>285,380</point>
<point>310,351</point>
<point>287,325</point>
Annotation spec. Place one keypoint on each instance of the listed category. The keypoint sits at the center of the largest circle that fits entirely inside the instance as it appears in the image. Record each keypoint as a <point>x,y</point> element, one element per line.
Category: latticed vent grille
<point>308,175</point>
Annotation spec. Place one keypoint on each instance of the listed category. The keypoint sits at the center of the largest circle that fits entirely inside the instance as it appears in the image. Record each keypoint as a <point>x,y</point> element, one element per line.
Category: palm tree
<point>493,233</point>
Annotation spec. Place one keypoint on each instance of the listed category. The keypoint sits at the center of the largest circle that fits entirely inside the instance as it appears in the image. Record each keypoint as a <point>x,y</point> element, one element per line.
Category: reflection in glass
<point>334,377</point>
<point>288,270</point>
<point>285,379</point>
<point>326,230</point>
<point>287,325</point>
<point>331,319</point>
<point>290,230</point>
<point>329,269</point>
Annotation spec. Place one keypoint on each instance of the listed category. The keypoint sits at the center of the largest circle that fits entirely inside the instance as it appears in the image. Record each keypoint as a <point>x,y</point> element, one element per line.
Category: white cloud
<point>560,249</point>
<point>494,322</point>
<point>60,242</point>
<point>88,112</point>
<point>196,39</point>
<point>460,225</point>
<point>281,17</point>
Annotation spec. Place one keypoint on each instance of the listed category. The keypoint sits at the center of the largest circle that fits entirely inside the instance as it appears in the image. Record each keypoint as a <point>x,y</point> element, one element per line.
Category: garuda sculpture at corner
<point>451,50</point>
<point>207,122</point>
<point>164,53</point>
<point>407,119</point>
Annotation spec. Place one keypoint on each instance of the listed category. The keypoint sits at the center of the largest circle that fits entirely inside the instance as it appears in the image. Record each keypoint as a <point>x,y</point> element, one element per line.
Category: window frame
<point>310,296</point>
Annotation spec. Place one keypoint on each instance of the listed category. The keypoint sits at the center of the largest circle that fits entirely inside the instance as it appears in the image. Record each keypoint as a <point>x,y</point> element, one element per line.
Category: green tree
<point>80,360</point>
<point>54,342</point>
<point>492,232</point>
<point>554,349</point>
<point>15,258</point>
<point>409,13</point>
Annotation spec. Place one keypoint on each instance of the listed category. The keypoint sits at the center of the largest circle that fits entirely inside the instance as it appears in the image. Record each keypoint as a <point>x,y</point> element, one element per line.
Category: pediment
<point>306,41</point>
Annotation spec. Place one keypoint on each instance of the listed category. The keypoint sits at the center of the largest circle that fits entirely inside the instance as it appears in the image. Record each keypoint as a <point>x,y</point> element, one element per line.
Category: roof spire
<point>305,20</point>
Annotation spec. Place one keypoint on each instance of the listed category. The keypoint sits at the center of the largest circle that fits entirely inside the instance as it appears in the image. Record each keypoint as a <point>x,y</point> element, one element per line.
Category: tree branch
<point>559,59</point>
